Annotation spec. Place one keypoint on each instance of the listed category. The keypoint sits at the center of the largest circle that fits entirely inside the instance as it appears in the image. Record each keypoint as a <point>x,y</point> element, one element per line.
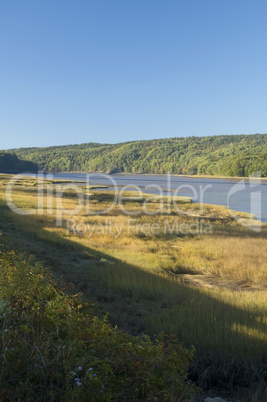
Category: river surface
<point>246,195</point>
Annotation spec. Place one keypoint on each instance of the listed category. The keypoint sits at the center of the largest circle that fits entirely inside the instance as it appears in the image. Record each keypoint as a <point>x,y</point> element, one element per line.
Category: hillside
<point>10,163</point>
<point>228,155</point>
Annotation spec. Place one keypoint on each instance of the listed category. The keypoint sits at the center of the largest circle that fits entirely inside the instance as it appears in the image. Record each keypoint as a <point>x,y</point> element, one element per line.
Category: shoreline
<point>101,187</point>
<point>196,176</point>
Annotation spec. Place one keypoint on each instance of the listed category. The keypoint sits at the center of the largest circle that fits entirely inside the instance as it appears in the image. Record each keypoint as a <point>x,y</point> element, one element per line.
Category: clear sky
<point>74,71</point>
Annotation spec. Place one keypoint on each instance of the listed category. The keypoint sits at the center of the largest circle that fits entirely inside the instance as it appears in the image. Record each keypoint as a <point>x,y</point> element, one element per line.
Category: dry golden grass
<point>232,256</point>
<point>209,289</point>
<point>237,259</point>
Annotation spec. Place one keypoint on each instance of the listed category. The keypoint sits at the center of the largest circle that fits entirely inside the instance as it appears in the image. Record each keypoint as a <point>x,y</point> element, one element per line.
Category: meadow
<point>157,264</point>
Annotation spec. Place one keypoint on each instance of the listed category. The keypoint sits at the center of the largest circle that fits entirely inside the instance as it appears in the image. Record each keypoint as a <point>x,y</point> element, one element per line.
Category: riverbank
<point>238,195</point>
<point>200,275</point>
<point>199,176</point>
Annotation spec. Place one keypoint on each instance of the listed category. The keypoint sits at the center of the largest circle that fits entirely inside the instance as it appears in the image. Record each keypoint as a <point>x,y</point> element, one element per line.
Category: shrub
<point>55,349</point>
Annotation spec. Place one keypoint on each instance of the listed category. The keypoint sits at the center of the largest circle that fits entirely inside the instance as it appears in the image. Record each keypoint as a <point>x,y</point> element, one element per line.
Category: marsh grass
<point>208,290</point>
<point>54,348</point>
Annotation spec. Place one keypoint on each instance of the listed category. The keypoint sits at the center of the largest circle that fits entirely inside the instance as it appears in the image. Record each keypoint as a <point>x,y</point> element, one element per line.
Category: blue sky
<point>120,70</point>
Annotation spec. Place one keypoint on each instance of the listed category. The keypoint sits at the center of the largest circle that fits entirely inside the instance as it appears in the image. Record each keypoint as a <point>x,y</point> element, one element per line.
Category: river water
<point>246,195</point>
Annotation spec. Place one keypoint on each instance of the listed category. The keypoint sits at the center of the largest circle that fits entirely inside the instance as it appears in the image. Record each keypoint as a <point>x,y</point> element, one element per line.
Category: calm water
<point>247,195</point>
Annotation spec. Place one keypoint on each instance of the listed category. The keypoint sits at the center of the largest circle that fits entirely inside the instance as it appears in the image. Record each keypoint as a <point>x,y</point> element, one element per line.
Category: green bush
<point>53,348</point>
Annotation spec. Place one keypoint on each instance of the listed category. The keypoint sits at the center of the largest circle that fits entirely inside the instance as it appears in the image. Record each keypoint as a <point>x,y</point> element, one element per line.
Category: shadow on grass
<point>139,300</point>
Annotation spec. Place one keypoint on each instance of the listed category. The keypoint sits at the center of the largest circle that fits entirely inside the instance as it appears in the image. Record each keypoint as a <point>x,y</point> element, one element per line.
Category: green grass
<point>208,290</point>
<point>54,348</point>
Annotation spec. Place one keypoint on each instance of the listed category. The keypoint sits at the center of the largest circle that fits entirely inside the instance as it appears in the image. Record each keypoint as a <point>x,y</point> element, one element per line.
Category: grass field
<point>169,266</point>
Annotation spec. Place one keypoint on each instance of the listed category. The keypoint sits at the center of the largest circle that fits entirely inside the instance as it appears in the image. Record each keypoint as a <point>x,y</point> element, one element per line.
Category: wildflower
<point>79,368</point>
<point>73,373</point>
<point>80,306</point>
<point>78,382</point>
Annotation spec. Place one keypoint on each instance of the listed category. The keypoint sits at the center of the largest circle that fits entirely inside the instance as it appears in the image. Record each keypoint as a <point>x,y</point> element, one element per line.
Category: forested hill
<point>10,163</point>
<point>229,155</point>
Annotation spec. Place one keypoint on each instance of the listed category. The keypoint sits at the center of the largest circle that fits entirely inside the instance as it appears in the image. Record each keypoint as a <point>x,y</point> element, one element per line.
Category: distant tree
<point>10,163</point>
<point>229,155</point>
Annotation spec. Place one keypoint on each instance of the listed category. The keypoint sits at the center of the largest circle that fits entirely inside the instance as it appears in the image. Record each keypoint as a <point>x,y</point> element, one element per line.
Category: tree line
<point>10,163</point>
<point>227,155</point>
